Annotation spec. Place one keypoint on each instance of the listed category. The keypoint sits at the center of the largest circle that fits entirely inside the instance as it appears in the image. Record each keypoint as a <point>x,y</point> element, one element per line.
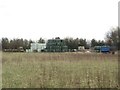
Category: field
<point>59,70</point>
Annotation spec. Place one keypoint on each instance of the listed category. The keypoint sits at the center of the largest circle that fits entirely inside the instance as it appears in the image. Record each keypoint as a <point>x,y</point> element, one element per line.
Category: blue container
<point>105,49</point>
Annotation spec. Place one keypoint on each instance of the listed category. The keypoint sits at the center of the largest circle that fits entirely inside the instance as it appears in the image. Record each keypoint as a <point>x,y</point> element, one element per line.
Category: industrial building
<point>56,45</point>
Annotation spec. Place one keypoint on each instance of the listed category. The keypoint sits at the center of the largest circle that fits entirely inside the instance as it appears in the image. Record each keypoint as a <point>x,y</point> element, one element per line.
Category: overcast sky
<point>32,19</point>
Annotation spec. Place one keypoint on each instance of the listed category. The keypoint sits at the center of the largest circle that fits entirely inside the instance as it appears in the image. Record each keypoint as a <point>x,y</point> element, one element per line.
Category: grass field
<point>59,70</point>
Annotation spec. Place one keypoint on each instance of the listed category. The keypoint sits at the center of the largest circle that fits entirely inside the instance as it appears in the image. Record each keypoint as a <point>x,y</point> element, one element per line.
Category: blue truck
<point>102,49</point>
<point>105,49</point>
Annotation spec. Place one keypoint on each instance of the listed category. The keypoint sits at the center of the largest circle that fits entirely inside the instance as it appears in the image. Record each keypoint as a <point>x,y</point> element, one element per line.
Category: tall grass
<point>59,70</point>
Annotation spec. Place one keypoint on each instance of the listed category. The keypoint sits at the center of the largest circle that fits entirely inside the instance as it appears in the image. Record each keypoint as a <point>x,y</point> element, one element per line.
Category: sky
<point>32,19</point>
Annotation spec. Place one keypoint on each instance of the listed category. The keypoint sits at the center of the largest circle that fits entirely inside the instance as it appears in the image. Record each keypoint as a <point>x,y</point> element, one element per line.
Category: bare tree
<point>112,38</point>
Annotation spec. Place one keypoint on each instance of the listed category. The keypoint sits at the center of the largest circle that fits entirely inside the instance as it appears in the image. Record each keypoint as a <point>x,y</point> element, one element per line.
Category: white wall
<point>37,46</point>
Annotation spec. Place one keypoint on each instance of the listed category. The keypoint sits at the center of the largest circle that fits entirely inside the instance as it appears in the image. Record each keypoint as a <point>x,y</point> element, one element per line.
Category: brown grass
<point>60,70</point>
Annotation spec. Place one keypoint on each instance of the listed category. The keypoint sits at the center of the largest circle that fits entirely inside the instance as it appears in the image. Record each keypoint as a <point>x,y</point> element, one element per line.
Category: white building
<point>36,47</point>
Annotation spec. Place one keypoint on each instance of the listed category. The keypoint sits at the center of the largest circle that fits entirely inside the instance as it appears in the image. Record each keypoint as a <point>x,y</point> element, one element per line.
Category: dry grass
<point>59,70</point>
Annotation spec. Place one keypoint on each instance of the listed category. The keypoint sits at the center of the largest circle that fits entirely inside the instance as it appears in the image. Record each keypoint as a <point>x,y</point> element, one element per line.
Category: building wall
<point>37,47</point>
<point>56,45</point>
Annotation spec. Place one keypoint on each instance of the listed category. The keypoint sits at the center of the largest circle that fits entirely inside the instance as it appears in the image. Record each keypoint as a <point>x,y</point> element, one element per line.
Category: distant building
<point>52,45</point>
<point>56,45</point>
<point>36,47</point>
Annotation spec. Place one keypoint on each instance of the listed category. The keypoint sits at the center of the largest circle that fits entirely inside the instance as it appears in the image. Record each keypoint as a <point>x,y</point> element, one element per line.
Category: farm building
<point>56,45</point>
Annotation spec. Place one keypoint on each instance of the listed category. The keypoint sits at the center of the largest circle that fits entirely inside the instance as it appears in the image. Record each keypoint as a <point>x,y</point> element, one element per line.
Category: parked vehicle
<point>102,49</point>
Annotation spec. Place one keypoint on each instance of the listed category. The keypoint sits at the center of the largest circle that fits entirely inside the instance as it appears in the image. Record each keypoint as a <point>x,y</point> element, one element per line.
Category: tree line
<point>111,39</point>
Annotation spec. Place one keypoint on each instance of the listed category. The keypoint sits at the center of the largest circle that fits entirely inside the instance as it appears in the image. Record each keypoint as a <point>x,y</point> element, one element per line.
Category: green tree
<point>5,43</point>
<point>100,43</point>
<point>25,44</point>
<point>69,42</point>
<point>41,40</point>
<point>74,43</point>
<point>94,43</point>
<point>29,43</point>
